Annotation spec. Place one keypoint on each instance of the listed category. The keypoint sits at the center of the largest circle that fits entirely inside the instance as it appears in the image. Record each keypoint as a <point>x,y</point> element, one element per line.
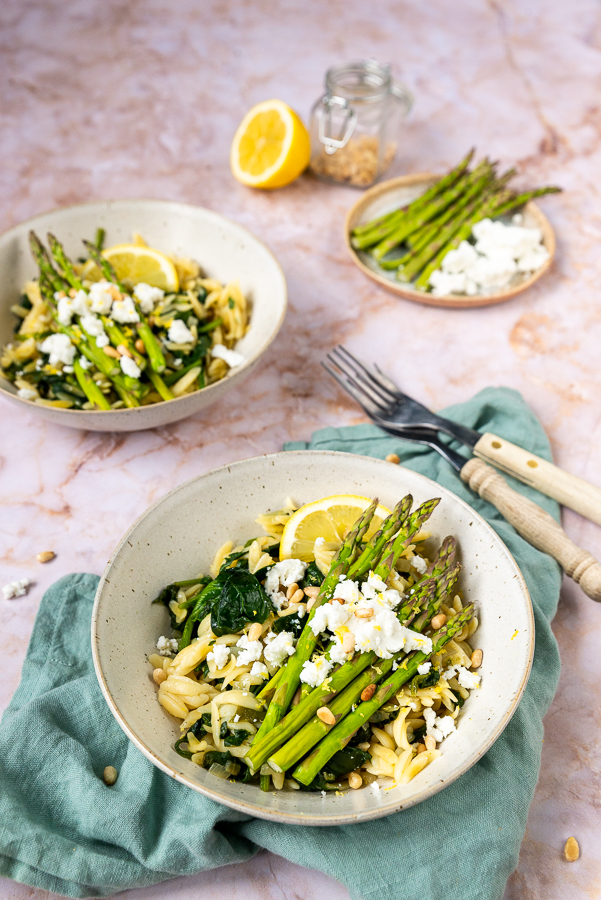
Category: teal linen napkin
<point>63,830</point>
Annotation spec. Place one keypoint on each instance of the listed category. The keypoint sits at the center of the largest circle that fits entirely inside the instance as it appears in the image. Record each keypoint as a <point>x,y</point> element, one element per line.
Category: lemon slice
<point>271,146</point>
<point>134,263</point>
<point>331,518</point>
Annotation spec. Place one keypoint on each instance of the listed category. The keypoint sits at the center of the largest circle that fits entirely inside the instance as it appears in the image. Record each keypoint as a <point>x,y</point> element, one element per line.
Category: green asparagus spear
<point>47,270</point>
<point>104,265</point>
<point>430,595</point>
<point>99,239</point>
<point>290,678</point>
<point>379,228</point>
<point>341,733</point>
<point>65,266</point>
<point>373,549</point>
<point>89,386</point>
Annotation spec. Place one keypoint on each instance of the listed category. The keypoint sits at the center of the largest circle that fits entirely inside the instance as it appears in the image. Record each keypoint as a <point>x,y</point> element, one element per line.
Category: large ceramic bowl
<point>176,538</point>
<point>225,251</point>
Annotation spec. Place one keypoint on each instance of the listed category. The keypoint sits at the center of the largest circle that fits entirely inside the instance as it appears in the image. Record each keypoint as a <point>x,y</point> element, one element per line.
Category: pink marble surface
<point>128,98</point>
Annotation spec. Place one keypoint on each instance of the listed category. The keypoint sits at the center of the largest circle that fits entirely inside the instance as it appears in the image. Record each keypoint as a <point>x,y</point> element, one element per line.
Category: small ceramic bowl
<point>223,249</point>
<point>177,537</point>
<point>397,192</point>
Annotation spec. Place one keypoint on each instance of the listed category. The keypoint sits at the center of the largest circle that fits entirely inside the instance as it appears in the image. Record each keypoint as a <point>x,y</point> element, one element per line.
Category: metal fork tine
<point>355,375</point>
<point>381,407</point>
<point>350,389</point>
<point>384,384</point>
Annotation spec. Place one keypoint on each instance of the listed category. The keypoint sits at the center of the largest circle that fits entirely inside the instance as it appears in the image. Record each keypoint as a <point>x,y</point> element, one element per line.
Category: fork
<point>529,520</point>
<point>386,404</point>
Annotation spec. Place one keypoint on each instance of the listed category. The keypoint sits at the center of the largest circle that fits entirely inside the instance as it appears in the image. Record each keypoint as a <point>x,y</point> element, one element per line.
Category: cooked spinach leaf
<point>242,600</point>
<point>236,737</point>
<point>347,760</point>
<point>313,577</point>
<point>291,623</point>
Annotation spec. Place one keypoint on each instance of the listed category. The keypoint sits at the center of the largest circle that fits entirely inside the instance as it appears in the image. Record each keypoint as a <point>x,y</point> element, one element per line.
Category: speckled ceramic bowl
<point>225,251</point>
<point>177,537</point>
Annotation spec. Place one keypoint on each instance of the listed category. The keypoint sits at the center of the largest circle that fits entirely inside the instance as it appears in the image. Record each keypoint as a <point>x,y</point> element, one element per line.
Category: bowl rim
<point>448,301</point>
<point>292,818</point>
<point>149,200</point>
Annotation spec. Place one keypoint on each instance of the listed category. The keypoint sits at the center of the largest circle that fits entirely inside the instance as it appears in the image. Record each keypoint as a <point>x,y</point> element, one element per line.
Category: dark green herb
<point>291,623</point>
<point>384,715</point>
<point>425,681</point>
<point>185,753</point>
<point>418,735</point>
<point>236,737</point>
<point>347,760</point>
<point>361,736</point>
<point>242,600</point>
<point>313,577</point>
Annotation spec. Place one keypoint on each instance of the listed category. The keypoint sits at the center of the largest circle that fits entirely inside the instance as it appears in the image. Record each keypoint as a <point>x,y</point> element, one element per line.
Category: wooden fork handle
<point>569,490</point>
<point>535,525</point>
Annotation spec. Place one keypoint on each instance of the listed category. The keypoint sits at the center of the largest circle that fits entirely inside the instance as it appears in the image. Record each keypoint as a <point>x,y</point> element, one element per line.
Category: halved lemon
<point>331,518</point>
<point>134,263</point>
<point>271,146</point>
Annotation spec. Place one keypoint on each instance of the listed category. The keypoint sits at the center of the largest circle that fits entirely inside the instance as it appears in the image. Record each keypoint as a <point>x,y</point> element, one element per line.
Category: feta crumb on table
<point>16,588</point>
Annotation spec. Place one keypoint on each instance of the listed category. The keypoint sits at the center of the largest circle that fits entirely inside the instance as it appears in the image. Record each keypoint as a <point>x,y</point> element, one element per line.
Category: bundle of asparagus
<point>304,739</point>
<point>439,220</point>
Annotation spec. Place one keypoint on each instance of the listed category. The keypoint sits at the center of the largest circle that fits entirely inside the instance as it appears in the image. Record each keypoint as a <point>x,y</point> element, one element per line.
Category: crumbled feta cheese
<point>250,651</point>
<point>465,677</point>
<point>167,646</point>
<point>130,367</point>
<point>499,252</point>
<point>179,333</point>
<point>439,727</point>
<point>147,296</point>
<point>27,394</point>
<point>124,310</point>
<point>313,673</point>
<point>68,369</point>
<point>375,786</point>
<point>424,668</point>
<point>68,307</point>
<point>286,572</point>
<point>231,357</point>
<point>220,655</point>
<point>260,669</point>
<point>337,654</point>
<point>16,588</point>
<point>419,564</point>
<point>92,325</point>
<point>59,348</point>
<point>102,341</point>
<point>381,632</point>
<point>279,648</point>
<point>100,297</point>
<point>84,363</point>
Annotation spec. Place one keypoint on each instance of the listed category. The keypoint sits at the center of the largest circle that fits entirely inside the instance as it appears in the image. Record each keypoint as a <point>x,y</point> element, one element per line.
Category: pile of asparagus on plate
<point>302,739</point>
<point>415,239</point>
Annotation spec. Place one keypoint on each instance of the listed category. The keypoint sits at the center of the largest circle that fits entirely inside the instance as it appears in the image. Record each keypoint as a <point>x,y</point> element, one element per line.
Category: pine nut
<point>348,642</point>
<point>421,748</point>
<point>297,596</point>
<point>139,345</point>
<point>368,692</point>
<point>110,351</point>
<point>291,590</point>
<point>45,556</point>
<point>311,592</point>
<point>123,351</point>
<point>364,613</point>
<point>430,742</point>
<point>255,631</point>
<point>438,621</point>
<point>355,781</point>
<point>336,600</point>
<point>326,715</point>
<point>571,851</point>
<point>110,775</point>
<point>159,676</point>
<point>476,659</point>
<point>393,458</point>
<point>311,603</point>
<point>72,292</point>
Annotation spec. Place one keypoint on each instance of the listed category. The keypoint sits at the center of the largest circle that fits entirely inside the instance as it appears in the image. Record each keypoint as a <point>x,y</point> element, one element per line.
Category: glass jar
<point>355,125</point>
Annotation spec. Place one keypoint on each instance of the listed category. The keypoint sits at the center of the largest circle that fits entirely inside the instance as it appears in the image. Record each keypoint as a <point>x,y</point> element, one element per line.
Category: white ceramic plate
<point>177,537</point>
<point>223,249</point>
<point>390,195</point>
